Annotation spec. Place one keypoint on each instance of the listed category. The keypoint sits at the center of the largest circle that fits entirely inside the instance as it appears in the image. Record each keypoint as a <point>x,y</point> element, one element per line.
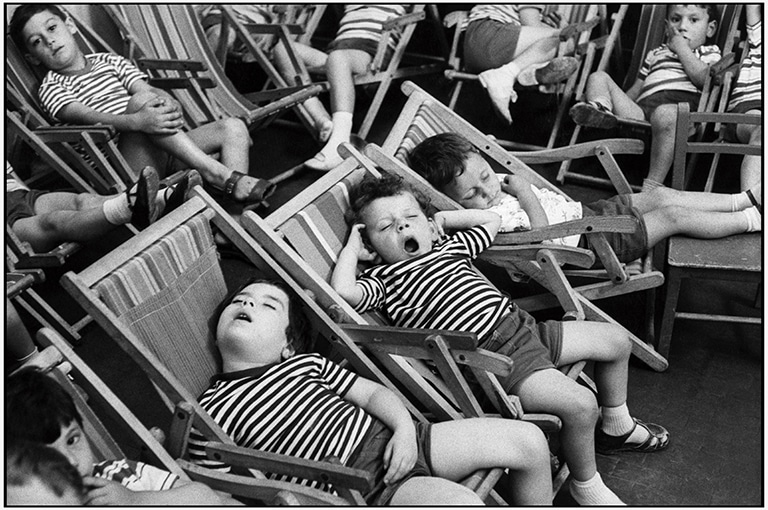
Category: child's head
<point>262,322</point>
<point>697,23</point>
<point>396,218</point>
<point>46,36</point>
<point>450,163</point>
<point>38,475</point>
<point>38,409</point>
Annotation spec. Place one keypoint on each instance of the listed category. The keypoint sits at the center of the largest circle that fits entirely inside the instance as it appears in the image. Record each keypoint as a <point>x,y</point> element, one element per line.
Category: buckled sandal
<point>256,196</point>
<point>658,439</point>
<point>141,198</point>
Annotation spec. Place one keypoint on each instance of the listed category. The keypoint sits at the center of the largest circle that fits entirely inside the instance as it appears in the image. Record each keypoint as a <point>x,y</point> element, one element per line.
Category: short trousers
<point>628,246</point>
<point>532,346</point>
<point>20,204</point>
<point>489,44</point>
<point>650,103</point>
<point>366,45</point>
<point>369,456</point>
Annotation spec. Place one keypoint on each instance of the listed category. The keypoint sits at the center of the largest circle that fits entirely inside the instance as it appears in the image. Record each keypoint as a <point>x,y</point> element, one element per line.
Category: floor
<point>710,398</point>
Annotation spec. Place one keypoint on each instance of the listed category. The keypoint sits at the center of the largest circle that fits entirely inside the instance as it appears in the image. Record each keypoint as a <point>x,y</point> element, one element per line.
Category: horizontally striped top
<point>437,290</point>
<point>294,408</point>
<point>365,21</point>
<point>505,13</point>
<point>135,476</point>
<point>747,93</point>
<point>104,87</point>
<point>662,70</point>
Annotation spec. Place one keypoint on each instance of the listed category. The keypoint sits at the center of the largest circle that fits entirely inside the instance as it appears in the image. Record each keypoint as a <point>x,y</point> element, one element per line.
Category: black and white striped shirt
<point>437,290</point>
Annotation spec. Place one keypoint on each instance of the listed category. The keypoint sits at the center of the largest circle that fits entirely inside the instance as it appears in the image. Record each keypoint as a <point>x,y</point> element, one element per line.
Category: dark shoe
<point>181,191</point>
<point>658,439</point>
<point>141,198</point>
<point>593,115</point>
<point>557,70</point>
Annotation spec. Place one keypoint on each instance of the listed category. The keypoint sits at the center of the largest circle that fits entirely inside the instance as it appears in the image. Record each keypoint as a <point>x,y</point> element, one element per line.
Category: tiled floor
<point>711,398</point>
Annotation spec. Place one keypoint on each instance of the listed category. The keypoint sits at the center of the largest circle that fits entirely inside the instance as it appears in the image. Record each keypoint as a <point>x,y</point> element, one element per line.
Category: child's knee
<point>138,100</point>
<point>529,440</point>
<point>235,129</point>
<point>664,118</point>
<point>598,79</point>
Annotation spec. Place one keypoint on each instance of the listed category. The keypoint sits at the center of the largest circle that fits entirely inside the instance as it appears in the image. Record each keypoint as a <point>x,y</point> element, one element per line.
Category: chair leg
<point>674,281</point>
<point>47,316</point>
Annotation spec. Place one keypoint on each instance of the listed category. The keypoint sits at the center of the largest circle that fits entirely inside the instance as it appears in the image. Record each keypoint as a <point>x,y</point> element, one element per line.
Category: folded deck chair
<point>423,116</point>
<point>574,14</point>
<point>155,296</point>
<point>651,33</point>
<point>307,233</point>
<point>96,402</point>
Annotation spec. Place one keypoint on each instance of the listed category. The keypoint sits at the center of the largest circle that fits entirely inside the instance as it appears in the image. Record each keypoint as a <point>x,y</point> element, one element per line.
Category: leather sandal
<point>257,194</point>
<point>658,439</point>
<point>141,198</point>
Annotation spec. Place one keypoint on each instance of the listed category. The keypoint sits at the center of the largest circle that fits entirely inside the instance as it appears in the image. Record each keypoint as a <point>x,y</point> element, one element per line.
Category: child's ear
<point>70,25</point>
<point>711,28</point>
<point>287,352</point>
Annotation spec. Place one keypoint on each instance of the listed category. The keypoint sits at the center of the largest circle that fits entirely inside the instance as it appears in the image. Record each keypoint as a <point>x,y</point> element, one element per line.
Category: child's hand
<point>514,185</point>
<point>356,245</point>
<point>103,492</point>
<point>160,116</point>
<point>675,41</point>
<point>400,455</point>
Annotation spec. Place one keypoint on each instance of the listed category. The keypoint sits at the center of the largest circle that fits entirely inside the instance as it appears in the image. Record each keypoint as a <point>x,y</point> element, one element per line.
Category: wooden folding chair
<point>155,296</point>
<point>737,258</point>
<point>651,33</point>
<point>424,116</point>
<point>95,402</point>
<point>457,20</point>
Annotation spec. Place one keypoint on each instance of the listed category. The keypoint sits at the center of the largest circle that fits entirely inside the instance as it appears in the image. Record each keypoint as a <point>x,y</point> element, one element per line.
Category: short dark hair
<point>27,460</point>
<point>441,158</point>
<point>712,10</point>
<point>372,188</point>
<point>298,332</point>
<point>37,407</point>
<point>23,14</point>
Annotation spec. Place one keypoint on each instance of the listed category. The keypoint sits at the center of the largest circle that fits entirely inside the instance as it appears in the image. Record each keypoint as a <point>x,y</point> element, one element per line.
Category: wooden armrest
<point>404,20</point>
<point>326,472</point>
<point>505,256</point>
<point>101,133</point>
<point>168,83</point>
<point>263,28</point>
<point>721,65</point>
<point>588,225</point>
<point>171,65</point>
<point>581,150</point>
<point>17,282</point>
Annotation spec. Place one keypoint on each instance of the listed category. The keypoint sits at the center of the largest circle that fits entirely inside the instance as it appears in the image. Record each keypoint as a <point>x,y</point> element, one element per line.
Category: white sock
<point>594,492</point>
<point>342,131</point>
<point>754,219</point>
<point>616,420</point>
<point>116,210</point>
<point>162,196</point>
<point>649,184</point>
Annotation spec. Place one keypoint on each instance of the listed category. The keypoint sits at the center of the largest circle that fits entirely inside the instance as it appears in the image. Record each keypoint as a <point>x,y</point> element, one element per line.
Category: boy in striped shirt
<point>274,395</point>
<point>671,74</point>
<point>426,280</point>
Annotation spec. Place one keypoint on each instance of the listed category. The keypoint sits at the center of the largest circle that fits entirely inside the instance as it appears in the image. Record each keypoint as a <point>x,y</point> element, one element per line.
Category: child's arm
<point>401,452</point>
<point>753,14</point>
<point>520,188</point>
<point>103,492</point>
<point>344,275</point>
<point>468,218</point>
<point>695,69</point>
<point>634,91</point>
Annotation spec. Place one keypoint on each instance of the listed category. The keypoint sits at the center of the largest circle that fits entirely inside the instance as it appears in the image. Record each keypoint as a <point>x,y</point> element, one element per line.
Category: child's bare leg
<point>669,221</point>
<point>461,447</point>
<point>342,66</point>
<point>602,89</point>
<point>434,491</point>
<point>751,166</point>
<point>663,128</point>
<point>660,198</point>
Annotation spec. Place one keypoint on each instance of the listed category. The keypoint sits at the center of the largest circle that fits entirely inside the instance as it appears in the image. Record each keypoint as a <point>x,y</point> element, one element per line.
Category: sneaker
<point>593,115</point>
<point>141,198</point>
<point>557,70</point>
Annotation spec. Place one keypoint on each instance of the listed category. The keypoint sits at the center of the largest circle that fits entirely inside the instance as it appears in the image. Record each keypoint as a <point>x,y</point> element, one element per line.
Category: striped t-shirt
<point>293,408</point>
<point>747,93</point>
<point>662,70</point>
<point>104,87</point>
<point>365,21</point>
<point>135,476</point>
<point>437,290</point>
<point>507,13</point>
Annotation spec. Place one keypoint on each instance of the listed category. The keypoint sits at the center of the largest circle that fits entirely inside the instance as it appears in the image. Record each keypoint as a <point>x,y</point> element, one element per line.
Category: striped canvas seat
<point>424,124</point>
<point>166,295</point>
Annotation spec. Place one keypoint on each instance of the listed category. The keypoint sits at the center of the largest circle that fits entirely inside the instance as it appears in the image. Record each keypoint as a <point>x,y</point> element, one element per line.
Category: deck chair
<point>737,258</point>
<point>95,402</point>
<point>457,21</point>
<point>168,279</point>
<point>651,31</point>
<point>172,31</point>
<point>306,235</point>
<point>424,116</point>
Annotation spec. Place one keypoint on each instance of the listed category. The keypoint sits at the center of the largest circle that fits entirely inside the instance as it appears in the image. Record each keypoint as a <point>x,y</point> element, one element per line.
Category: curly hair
<point>372,188</point>
<point>441,158</point>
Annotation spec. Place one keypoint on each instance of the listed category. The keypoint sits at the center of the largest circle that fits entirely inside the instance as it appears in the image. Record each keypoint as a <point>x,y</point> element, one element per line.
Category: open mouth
<point>242,316</point>
<point>411,246</point>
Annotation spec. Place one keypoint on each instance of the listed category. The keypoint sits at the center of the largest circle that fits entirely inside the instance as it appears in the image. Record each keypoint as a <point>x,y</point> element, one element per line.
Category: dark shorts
<point>628,247</point>
<point>366,45</point>
<point>532,346</point>
<point>21,204</point>
<point>489,44</point>
<point>369,456</point>
<point>650,103</point>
